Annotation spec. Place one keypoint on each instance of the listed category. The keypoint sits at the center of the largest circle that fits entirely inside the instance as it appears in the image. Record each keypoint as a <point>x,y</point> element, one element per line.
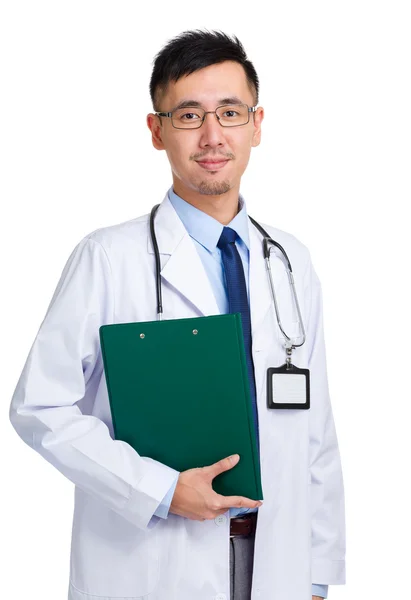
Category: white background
<point>333,168</point>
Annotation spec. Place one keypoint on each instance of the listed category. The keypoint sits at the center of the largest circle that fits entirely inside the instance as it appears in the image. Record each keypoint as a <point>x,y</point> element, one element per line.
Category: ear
<point>258,117</point>
<point>155,126</point>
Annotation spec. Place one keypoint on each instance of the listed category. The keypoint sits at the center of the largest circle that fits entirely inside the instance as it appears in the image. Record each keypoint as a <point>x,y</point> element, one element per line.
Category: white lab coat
<point>60,408</point>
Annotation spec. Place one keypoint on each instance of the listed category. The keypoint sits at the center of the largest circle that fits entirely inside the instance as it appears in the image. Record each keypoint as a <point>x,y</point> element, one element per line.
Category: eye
<point>231,111</point>
<point>189,115</point>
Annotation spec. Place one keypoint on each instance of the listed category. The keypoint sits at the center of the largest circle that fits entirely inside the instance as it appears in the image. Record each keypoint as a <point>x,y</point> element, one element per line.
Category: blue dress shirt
<point>205,232</point>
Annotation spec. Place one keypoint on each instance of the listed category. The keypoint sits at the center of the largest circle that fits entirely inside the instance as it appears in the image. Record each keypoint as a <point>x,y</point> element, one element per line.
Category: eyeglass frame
<point>250,109</point>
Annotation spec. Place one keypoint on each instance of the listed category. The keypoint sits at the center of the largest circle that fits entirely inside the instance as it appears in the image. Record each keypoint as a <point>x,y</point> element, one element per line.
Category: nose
<point>212,134</point>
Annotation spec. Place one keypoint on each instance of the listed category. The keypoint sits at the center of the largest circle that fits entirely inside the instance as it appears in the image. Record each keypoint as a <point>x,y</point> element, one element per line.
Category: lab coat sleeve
<point>327,488</point>
<point>64,366</point>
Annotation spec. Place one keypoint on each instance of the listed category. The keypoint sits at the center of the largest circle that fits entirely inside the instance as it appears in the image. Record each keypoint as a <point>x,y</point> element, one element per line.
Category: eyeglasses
<point>192,117</point>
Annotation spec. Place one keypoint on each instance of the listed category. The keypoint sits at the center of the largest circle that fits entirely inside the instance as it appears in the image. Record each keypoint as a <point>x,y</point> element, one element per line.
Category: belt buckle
<point>246,517</point>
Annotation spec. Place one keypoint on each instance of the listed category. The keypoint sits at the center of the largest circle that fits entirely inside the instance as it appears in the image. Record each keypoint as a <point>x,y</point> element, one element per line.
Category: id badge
<point>288,387</point>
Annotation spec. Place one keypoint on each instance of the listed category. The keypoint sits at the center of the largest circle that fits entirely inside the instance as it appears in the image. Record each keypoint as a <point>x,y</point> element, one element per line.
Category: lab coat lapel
<point>183,269</point>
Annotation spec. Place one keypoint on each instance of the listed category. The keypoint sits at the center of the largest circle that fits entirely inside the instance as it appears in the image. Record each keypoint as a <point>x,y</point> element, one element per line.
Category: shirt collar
<point>205,229</point>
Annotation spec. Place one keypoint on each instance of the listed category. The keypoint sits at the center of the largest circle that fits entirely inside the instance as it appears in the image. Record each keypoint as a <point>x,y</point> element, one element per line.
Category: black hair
<point>193,50</point>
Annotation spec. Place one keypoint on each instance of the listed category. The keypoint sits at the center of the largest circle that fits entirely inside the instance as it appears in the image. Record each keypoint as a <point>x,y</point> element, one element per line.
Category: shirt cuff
<point>164,507</point>
<point>319,590</point>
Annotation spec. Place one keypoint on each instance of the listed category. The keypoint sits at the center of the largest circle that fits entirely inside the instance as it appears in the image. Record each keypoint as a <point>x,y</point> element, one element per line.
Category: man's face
<point>185,147</point>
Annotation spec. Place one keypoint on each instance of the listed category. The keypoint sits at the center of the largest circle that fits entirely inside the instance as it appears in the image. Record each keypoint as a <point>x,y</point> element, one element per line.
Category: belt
<point>245,525</point>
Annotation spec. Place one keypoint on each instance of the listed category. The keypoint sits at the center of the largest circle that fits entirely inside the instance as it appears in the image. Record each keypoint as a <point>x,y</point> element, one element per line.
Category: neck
<point>223,207</point>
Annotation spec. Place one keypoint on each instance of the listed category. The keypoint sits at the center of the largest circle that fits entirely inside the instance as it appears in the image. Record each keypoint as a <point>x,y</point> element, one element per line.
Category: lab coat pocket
<point>110,558</point>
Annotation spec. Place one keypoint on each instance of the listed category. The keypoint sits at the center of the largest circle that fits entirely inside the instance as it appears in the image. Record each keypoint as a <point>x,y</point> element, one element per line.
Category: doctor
<point>141,530</point>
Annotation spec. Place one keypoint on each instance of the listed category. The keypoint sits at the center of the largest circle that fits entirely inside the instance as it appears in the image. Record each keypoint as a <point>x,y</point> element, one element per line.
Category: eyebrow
<point>195,103</point>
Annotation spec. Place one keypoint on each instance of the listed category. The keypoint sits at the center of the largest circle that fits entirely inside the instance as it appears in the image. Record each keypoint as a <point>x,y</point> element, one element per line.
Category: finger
<point>239,502</point>
<point>222,465</point>
<point>222,511</point>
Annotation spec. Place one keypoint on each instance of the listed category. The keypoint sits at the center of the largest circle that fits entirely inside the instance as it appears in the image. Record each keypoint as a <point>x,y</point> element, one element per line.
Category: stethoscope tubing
<point>266,251</point>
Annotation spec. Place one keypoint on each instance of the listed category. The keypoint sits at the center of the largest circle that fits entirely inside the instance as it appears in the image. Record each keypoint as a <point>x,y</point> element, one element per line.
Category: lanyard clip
<point>288,344</point>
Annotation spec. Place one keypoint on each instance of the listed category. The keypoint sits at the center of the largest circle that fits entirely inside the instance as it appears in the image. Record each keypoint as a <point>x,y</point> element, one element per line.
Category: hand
<point>195,498</point>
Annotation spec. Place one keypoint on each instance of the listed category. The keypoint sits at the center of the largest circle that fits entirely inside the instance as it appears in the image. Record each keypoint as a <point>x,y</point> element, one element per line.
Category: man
<point>140,528</point>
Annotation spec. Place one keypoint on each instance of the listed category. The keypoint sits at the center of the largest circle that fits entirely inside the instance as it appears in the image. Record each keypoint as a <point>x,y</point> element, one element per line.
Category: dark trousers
<point>241,566</point>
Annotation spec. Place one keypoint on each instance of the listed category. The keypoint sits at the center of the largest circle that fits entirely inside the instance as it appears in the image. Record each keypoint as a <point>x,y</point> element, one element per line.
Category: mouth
<point>211,165</point>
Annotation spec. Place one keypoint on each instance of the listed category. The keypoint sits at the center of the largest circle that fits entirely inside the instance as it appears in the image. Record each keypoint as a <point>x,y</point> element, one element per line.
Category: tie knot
<point>228,236</point>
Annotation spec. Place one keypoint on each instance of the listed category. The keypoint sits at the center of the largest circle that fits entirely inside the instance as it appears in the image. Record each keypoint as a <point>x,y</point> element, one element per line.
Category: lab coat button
<point>220,520</point>
<point>221,597</point>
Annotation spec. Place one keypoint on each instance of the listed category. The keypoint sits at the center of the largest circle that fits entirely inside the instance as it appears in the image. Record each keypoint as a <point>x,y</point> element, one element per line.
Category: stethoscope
<point>289,342</point>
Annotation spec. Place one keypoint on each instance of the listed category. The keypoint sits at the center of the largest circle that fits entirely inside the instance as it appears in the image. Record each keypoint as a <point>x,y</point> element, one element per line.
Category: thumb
<point>225,464</point>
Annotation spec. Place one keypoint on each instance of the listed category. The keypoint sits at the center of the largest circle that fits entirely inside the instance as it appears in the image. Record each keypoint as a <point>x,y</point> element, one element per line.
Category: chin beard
<point>214,188</point>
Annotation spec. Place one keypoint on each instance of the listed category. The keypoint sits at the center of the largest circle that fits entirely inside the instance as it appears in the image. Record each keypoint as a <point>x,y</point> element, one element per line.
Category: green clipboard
<point>179,393</point>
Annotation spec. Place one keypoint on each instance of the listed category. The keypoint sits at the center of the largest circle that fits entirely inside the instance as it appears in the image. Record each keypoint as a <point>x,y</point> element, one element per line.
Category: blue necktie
<point>238,302</point>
